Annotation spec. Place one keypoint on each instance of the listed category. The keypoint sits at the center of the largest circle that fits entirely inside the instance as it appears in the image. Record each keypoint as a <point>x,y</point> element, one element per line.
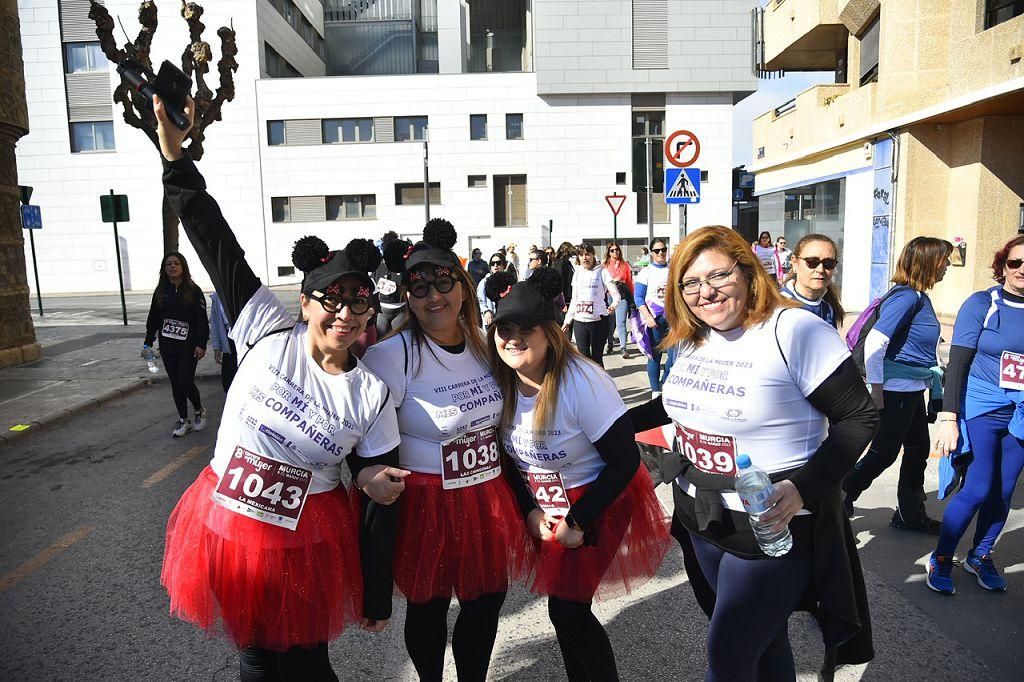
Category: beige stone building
<point>922,133</point>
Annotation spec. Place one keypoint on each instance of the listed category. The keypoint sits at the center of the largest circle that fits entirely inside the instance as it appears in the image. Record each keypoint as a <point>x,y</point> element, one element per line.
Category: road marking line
<point>8,580</point>
<point>175,464</point>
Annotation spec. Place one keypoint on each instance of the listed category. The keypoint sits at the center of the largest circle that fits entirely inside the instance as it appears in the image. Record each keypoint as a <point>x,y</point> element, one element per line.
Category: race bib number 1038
<point>470,459</point>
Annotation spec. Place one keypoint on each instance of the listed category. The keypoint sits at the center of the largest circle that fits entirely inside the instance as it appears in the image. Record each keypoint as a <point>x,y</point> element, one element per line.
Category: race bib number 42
<point>263,489</point>
<point>1011,371</point>
<point>549,491</point>
<point>470,459</point>
<point>175,329</point>
<point>709,452</point>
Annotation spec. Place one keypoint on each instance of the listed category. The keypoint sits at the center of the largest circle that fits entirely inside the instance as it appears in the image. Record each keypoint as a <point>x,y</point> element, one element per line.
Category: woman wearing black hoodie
<point>178,316</point>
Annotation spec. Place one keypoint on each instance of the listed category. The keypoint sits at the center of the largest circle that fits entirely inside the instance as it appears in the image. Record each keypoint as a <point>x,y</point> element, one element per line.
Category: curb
<point>10,437</point>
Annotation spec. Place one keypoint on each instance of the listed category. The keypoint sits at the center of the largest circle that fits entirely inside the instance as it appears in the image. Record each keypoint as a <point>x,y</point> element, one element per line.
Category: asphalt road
<point>86,502</point>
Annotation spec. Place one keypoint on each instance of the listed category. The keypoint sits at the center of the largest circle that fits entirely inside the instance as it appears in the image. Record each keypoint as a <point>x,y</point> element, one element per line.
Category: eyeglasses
<point>715,281</point>
<point>443,284</point>
<point>813,262</point>
<point>1014,263</point>
<point>660,251</point>
<point>333,304</point>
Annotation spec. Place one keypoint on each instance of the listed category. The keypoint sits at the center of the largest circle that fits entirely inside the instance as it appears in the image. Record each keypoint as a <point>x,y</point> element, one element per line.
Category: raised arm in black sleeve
<point>210,235</point>
<point>617,447</point>
<point>378,527</point>
<point>960,359</point>
<point>648,416</point>
<point>853,421</point>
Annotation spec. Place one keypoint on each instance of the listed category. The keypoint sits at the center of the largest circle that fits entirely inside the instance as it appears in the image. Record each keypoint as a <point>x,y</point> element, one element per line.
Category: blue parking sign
<point>682,185</point>
<point>31,217</point>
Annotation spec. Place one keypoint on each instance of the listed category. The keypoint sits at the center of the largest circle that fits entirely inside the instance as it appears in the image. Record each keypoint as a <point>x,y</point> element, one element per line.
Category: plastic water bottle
<point>754,488</point>
<point>150,358</point>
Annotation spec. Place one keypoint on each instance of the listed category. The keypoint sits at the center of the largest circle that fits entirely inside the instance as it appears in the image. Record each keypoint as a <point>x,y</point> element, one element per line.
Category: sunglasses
<point>443,284</point>
<point>813,262</point>
<point>613,250</point>
<point>333,304</point>
<point>660,251</point>
<point>1014,263</point>
<point>497,262</point>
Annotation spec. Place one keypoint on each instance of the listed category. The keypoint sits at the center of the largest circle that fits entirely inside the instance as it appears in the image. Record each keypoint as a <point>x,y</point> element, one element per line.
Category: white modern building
<point>532,112</point>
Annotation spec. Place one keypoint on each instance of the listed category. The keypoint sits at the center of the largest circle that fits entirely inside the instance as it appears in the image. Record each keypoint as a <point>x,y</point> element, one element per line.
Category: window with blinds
<point>352,207</point>
<point>650,34</point>
<point>411,193</point>
<point>509,200</point>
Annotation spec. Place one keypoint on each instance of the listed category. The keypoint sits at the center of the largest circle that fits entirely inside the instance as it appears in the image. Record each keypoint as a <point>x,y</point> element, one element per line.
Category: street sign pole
<point>35,268</point>
<point>551,229</point>
<point>426,174</point>
<point>650,194</point>
<point>120,275</point>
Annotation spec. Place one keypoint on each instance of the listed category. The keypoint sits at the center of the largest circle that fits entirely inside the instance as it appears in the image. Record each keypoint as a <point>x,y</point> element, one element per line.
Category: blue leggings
<point>654,374</point>
<point>991,478</point>
<point>748,638</point>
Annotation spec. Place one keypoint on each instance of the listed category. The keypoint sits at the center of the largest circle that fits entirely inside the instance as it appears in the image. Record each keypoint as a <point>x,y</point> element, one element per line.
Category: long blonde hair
<point>468,321</point>
<point>560,354</point>
<point>684,327</point>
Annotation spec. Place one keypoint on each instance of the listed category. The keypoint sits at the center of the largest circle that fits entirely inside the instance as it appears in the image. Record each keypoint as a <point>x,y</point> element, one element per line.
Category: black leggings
<point>748,638</point>
<point>904,425</point>
<point>591,338</point>
<point>426,633</point>
<point>298,663</point>
<point>181,370</point>
<point>388,319</point>
<point>586,651</point>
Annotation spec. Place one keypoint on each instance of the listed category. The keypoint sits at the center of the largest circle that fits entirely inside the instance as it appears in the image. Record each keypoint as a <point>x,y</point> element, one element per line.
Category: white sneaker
<point>181,428</point>
<point>200,419</point>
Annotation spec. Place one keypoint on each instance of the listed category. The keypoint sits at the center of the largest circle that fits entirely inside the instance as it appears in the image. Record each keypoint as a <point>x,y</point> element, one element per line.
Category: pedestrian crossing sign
<point>682,185</point>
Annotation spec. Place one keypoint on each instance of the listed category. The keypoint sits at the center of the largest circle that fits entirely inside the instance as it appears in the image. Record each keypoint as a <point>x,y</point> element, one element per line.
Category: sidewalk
<point>81,367</point>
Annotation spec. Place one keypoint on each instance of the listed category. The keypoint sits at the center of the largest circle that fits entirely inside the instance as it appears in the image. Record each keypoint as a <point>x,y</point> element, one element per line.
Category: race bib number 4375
<point>263,489</point>
<point>174,329</point>
<point>709,452</point>
<point>1011,371</point>
<point>470,459</point>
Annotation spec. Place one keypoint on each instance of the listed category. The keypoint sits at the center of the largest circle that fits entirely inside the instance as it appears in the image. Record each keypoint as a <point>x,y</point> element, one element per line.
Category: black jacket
<point>178,318</point>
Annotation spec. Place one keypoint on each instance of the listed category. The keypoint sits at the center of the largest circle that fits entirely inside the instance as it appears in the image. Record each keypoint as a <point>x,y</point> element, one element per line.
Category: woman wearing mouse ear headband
<point>266,546</point>
<point>590,506</point>
<point>458,527</point>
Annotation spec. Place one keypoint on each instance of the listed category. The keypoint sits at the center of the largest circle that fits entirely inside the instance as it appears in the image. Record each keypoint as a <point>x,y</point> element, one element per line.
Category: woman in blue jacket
<point>984,385</point>
<point>900,359</point>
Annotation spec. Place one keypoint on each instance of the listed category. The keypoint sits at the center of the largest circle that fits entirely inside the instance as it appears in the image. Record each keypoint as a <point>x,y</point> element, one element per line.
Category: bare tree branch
<point>105,31</point>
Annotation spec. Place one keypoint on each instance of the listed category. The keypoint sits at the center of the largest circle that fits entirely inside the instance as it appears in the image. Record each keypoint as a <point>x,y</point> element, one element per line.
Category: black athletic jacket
<point>178,318</point>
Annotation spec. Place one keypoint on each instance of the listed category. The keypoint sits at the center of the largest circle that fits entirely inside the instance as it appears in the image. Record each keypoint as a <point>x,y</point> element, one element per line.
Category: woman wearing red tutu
<point>600,530</point>
<point>265,545</point>
<point>459,530</point>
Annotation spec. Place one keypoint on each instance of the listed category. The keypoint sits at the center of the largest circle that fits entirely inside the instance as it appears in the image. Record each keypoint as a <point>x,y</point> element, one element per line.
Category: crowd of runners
<point>461,396</point>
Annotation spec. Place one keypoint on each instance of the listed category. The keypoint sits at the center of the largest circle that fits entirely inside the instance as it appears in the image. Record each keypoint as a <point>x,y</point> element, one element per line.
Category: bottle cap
<point>743,461</point>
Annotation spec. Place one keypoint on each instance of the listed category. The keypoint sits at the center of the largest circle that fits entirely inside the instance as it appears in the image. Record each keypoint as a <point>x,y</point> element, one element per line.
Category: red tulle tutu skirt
<point>259,584</point>
<point>631,540</point>
<point>470,541</point>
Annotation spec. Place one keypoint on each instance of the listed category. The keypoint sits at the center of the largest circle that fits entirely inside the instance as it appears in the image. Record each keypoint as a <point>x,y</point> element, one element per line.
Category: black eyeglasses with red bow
<point>333,303</point>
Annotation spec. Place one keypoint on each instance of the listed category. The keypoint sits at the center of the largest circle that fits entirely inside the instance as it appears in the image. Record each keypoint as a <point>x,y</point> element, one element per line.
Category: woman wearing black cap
<point>589,504</point>
<point>264,544</point>
<point>389,284</point>
<point>458,528</point>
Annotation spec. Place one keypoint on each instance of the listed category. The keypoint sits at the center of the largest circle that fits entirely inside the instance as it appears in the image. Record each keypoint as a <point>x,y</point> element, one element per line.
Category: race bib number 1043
<point>263,489</point>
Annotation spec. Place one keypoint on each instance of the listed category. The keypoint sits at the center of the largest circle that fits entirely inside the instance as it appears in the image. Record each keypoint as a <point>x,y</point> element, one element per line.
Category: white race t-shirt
<point>588,295</point>
<point>656,281</point>
<point>588,404</point>
<point>734,395</point>
<point>284,406</point>
<point>438,395</point>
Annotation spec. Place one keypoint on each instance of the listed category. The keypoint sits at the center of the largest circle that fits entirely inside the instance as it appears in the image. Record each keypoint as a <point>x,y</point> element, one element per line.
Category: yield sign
<point>682,148</point>
<point>615,202</point>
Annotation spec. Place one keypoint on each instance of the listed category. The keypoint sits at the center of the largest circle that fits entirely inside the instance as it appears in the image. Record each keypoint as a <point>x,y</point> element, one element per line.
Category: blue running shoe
<point>940,574</point>
<point>985,571</point>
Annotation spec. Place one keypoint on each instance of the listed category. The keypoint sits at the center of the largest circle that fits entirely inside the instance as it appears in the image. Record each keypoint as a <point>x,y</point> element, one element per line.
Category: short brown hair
<point>1003,255</point>
<point>684,327</point>
<point>920,262</point>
